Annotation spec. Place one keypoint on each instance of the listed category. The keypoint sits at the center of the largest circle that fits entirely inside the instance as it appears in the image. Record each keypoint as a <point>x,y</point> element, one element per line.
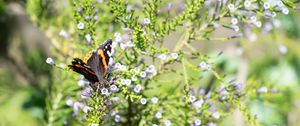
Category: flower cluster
<point>148,83</point>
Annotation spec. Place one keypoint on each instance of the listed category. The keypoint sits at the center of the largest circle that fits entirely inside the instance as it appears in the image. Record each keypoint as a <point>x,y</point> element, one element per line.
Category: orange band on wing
<point>100,52</point>
<point>88,70</point>
<point>87,57</point>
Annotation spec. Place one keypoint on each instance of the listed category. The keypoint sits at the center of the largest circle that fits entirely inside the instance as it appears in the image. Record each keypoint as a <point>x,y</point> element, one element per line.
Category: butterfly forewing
<point>80,67</point>
<point>95,63</point>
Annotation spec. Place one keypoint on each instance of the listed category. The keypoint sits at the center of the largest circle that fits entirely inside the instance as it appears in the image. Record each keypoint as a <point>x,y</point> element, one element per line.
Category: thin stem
<point>129,111</point>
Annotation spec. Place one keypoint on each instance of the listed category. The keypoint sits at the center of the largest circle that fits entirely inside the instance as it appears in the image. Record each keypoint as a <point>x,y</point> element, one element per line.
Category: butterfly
<point>95,64</point>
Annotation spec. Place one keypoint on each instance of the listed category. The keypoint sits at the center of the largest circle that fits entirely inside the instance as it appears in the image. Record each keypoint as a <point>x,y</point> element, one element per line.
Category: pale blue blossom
<point>50,61</point>
<point>158,115</point>
<point>154,100</point>
<point>143,101</point>
<point>80,26</point>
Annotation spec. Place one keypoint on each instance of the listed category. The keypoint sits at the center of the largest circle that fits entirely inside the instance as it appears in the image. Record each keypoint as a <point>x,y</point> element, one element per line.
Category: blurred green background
<point>271,60</point>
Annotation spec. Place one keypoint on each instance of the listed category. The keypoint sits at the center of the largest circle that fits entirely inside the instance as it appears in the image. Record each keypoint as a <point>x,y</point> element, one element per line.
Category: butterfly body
<point>95,64</point>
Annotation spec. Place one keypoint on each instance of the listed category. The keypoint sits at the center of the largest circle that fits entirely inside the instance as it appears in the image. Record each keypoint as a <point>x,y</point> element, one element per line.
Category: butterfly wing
<point>95,63</point>
<point>106,50</point>
<point>80,67</point>
<point>96,66</point>
<point>100,59</point>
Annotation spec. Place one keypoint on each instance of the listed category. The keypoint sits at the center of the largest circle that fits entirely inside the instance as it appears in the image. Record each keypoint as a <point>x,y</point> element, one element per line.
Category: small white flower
<point>279,3</point>
<point>123,68</point>
<point>88,38</point>
<point>69,102</point>
<point>77,106</point>
<point>86,109</point>
<point>211,124</point>
<point>158,115</point>
<point>192,98</point>
<point>167,123</point>
<point>262,90</point>
<point>143,74</point>
<point>235,28</point>
<point>80,26</point>
<point>234,21</point>
<point>117,65</point>
<point>113,88</point>
<point>197,122</point>
<point>50,61</point>
<point>136,70</point>
<point>282,49</point>
<point>104,91</point>
<point>274,15</point>
<point>87,18</point>
<point>113,113</point>
<point>224,92</point>
<point>134,78</point>
<point>154,125</point>
<point>123,81</point>
<point>64,34</point>
<point>114,44</point>
<point>96,17</point>
<point>123,46</point>
<point>94,124</point>
<point>151,69</point>
<point>127,82</point>
<point>202,65</point>
<point>117,34</point>
<point>115,98</point>
<point>154,100</point>
<point>143,101</point>
<point>266,5</point>
<point>247,3</point>
<point>146,21</point>
<point>198,103</point>
<point>208,68</point>
<point>253,18</point>
<point>137,88</point>
<point>118,38</point>
<point>162,56</point>
<point>128,8</point>
<point>285,11</point>
<point>258,24</point>
<point>117,118</point>
<point>230,7</point>
<point>129,44</point>
<point>174,55</point>
<point>216,115</point>
<point>86,93</point>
